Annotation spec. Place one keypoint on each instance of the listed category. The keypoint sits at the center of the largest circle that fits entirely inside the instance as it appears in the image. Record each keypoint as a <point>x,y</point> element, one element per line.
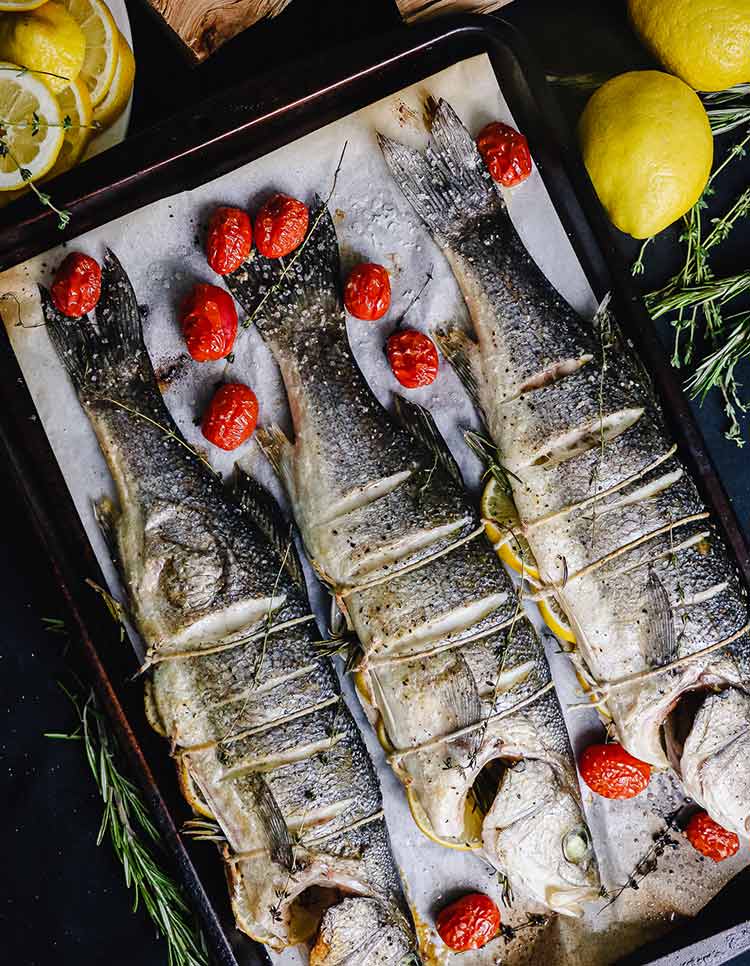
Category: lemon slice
<point>75,103</point>
<point>17,6</point>
<point>556,620</point>
<point>118,95</point>
<point>47,41</point>
<point>501,519</point>
<point>32,146</point>
<point>102,45</point>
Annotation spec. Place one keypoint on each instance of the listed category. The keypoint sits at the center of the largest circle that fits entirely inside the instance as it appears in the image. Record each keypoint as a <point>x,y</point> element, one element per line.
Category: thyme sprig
<point>134,837</point>
<point>662,840</point>
<point>287,267</point>
<point>63,216</point>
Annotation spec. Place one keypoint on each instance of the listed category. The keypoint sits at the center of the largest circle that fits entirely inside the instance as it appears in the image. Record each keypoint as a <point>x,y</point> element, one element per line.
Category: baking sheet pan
<point>565,274</point>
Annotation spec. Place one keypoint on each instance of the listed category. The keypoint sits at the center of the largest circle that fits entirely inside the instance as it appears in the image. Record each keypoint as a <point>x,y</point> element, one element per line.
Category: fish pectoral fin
<point>262,509</point>
<point>661,641</point>
<point>275,828</point>
<point>419,423</point>
<point>463,354</point>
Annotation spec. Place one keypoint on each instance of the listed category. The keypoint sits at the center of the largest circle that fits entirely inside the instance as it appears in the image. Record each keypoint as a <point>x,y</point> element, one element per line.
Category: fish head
<point>363,931</point>
<point>536,835</point>
<point>708,741</point>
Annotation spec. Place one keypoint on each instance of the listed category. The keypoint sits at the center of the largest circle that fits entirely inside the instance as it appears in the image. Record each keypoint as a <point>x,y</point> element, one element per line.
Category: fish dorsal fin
<point>461,351</point>
<point>275,829</point>
<point>261,507</point>
<point>419,423</point>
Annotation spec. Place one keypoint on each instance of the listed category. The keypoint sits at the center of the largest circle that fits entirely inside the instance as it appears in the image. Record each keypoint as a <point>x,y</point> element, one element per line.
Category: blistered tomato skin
<point>208,319</point>
<point>469,923</point>
<point>77,285</point>
<point>505,152</point>
<point>231,417</point>
<point>709,838</point>
<point>229,240</point>
<point>612,772</point>
<point>281,226</point>
<point>413,358</point>
<point>367,293</point>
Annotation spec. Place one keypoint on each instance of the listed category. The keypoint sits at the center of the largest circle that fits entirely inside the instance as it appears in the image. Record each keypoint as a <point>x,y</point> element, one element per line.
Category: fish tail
<point>109,354</point>
<point>286,298</point>
<point>448,186</point>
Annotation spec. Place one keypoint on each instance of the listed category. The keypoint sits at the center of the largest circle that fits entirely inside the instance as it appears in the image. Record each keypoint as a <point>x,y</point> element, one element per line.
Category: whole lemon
<point>705,42</point>
<point>47,40</point>
<point>648,148</point>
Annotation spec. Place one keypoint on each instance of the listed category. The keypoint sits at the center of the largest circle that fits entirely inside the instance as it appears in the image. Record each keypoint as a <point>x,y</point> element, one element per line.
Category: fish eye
<point>576,846</point>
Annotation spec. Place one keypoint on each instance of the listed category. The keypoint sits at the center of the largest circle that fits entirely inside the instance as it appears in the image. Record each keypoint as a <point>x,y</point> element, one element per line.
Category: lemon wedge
<point>102,45</point>
<point>33,145</point>
<point>75,103</point>
<point>501,522</point>
<point>118,95</point>
<point>501,518</point>
<point>556,620</point>
<point>472,815</point>
<point>47,41</point>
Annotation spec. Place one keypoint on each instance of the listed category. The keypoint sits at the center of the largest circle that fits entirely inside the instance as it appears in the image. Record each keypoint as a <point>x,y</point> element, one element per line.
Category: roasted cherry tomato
<point>505,152</point>
<point>710,838</point>
<point>612,772</point>
<point>468,923</point>
<point>229,240</point>
<point>231,416</point>
<point>413,358</point>
<point>77,285</point>
<point>367,293</point>
<point>281,226</point>
<point>208,320</point>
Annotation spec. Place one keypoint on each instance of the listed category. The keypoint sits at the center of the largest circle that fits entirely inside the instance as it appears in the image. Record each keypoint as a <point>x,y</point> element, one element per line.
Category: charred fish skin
<point>617,527</point>
<point>263,740</point>
<point>449,667</point>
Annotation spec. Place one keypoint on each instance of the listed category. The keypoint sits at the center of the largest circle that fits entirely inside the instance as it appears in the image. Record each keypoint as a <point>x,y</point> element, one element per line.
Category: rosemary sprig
<point>298,252</point>
<point>717,371</point>
<point>135,839</point>
<point>711,292</point>
<point>488,453</point>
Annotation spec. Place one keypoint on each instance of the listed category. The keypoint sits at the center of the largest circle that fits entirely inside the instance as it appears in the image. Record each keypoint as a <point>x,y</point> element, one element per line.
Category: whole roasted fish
<point>264,743</point>
<point>618,530</point>
<point>449,669</point>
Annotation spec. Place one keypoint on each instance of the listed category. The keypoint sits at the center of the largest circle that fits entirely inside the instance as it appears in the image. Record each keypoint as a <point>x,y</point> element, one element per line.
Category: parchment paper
<point>160,246</point>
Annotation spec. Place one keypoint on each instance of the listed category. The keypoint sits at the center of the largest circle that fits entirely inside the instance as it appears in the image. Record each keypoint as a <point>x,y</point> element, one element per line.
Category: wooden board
<point>204,25</point>
<point>422,9</point>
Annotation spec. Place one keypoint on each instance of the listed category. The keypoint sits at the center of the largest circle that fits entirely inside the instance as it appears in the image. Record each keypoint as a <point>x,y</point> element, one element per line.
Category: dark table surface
<point>63,899</point>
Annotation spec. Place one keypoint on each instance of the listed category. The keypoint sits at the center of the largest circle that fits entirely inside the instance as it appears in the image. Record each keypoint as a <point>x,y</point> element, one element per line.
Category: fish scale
<point>434,612</point>
<point>574,416</point>
<point>262,738</point>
